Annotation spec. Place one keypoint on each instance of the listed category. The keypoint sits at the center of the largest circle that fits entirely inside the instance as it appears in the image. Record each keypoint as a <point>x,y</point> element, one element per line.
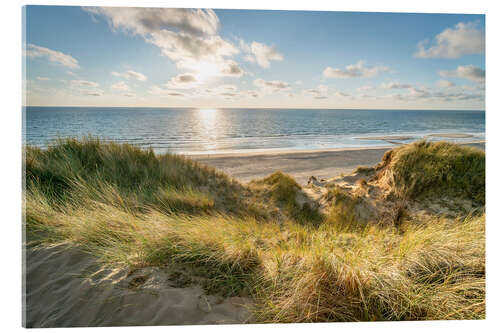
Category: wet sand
<point>299,164</point>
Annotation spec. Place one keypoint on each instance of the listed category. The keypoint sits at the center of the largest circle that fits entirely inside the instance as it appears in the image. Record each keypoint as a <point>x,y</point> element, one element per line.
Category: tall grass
<point>294,271</point>
<point>431,169</point>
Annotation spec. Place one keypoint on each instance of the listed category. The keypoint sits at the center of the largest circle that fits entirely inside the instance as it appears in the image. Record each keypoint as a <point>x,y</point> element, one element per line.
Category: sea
<point>207,131</point>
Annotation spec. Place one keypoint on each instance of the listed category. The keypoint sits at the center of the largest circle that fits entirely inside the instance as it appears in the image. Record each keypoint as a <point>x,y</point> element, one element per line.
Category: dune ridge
<point>349,248</point>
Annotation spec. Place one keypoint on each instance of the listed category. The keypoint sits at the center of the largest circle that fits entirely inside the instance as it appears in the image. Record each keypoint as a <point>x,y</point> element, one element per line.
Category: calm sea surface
<point>194,131</point>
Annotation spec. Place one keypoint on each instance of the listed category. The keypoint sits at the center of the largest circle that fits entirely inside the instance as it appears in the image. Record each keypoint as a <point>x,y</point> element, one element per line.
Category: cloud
<point>35,51</point>
<point>468,72</point>
<point>92,93</point>
<point>252,93</point>
<point>260,53</point>
<point>42,78</point>
<point>354,71</point>
<point>231,68</point>
<point>318,93</point>
<point>342,94</point>
<point>271,86</point>
<point>463,39</point>
<point>120,86</point>
<point>186,36</point>
<point>159,91</point>
<point>396,85</point>
<point>365,88</point>
<point>445,84</point>
<point>147,20</point>
<point>129,75</point>
<point>183,81</point>
<point>422,94</point>
<point>84,83</point>
<point>129,95</point>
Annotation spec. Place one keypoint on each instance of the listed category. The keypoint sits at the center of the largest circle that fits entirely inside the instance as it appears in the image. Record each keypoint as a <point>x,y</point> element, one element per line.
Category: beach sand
<point>62,291</point>
<point>299,164</point>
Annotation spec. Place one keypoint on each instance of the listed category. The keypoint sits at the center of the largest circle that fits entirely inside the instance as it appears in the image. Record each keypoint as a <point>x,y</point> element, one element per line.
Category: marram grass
<point>133,208</point>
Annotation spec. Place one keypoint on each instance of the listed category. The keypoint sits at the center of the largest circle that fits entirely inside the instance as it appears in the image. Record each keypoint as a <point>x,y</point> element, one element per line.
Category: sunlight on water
<point>208,119</point>
<point>204,130</point>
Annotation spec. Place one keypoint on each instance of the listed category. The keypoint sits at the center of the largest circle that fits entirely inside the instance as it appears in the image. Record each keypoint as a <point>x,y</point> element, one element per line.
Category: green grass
<point>282,190</point>
<point>133,208</point>
<point>434,169</point>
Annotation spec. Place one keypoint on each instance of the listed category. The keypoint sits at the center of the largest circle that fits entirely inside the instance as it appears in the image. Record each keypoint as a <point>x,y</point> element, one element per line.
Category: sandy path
<point>60,292</point>
<point>301,164</point>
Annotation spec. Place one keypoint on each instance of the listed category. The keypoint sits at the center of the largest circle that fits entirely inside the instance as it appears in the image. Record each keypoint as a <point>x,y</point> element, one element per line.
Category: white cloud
<point>445,84</point>
<point>365,88</point>
<point>84,83</point>
<point>423,94</point>
<point>271,86</point>
<point>186,36</point>
<point>129,95</point>
<point>318,93</point>
<point>183,81</point>
<point>35,51</point>
<point>468,72</point>
<point>231,68</point>
<point>463,39</point>
<point>159,91</point>
<point>42,78</point>
<point>92,93</point>
<point>147,20</point>
<point>129,75</point>
<point>353,71</point>
<point>252,93</point>
<point>342,94</point>
<point>120,86</point>
<point>260,53</point>
<point>396,85</point>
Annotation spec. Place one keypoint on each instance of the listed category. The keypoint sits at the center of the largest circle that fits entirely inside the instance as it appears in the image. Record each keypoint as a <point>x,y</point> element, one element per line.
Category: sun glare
<point>206,70</point>
<point>208,117</point>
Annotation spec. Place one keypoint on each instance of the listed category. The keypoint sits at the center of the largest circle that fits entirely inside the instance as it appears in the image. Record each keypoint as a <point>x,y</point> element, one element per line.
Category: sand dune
<point>299,164</point>
<point>65,288</point>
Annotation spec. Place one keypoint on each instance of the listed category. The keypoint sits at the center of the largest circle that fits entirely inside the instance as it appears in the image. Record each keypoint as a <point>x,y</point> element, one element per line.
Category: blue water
<point>194,131</point>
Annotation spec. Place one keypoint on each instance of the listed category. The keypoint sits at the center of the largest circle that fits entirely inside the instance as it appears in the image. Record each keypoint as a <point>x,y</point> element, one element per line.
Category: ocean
<point>204,131</point>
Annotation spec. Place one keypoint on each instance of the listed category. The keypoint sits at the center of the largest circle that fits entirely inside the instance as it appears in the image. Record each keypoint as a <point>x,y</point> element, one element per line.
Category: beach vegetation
<point>133,208</point>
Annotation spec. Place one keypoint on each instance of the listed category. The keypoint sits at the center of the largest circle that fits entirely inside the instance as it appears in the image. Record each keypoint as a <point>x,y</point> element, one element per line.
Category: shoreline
<point>301,164</point>
<point>278,151</point>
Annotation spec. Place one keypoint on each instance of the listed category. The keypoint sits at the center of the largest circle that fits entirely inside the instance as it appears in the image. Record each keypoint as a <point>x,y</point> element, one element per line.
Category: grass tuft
<point>436,168</point>
<point>133,208</point>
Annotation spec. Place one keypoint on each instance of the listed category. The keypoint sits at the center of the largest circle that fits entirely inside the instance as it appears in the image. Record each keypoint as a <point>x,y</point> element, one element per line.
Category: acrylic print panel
<point>188,166</point>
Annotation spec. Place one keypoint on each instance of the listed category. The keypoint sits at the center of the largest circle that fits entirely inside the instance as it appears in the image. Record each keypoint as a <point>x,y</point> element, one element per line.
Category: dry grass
<point>294,271</point>
<point>432,169</point>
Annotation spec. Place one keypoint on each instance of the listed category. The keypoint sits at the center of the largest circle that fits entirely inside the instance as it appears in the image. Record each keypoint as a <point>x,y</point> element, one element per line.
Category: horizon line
<point>245,107</point>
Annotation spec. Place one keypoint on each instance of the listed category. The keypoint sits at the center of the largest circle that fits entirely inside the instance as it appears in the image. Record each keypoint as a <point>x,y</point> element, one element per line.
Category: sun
<point>205,71</point>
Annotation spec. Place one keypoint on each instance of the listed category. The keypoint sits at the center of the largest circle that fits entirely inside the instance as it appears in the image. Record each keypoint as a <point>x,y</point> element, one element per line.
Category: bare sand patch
<point>451,135</point>
<point>65,287</point>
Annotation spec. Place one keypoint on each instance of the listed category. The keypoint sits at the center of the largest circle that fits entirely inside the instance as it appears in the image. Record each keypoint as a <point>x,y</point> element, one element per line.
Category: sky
<point>164,57</point>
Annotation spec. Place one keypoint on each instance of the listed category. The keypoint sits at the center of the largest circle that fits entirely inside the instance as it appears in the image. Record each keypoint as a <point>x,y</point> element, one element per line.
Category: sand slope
<point>298,164</point>
<point>64,290</point>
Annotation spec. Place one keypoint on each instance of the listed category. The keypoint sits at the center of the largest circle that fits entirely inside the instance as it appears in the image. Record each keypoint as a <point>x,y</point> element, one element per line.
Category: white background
<point>10,157</point>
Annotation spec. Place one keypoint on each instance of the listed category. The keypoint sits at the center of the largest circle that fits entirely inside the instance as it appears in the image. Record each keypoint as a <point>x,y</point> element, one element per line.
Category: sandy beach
<point>64,280</point>
<point>299,164</point>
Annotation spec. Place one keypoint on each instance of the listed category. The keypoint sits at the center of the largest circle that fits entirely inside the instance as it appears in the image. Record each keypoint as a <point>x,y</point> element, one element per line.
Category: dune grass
<point>165,210</point>
<point>431,169</point>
